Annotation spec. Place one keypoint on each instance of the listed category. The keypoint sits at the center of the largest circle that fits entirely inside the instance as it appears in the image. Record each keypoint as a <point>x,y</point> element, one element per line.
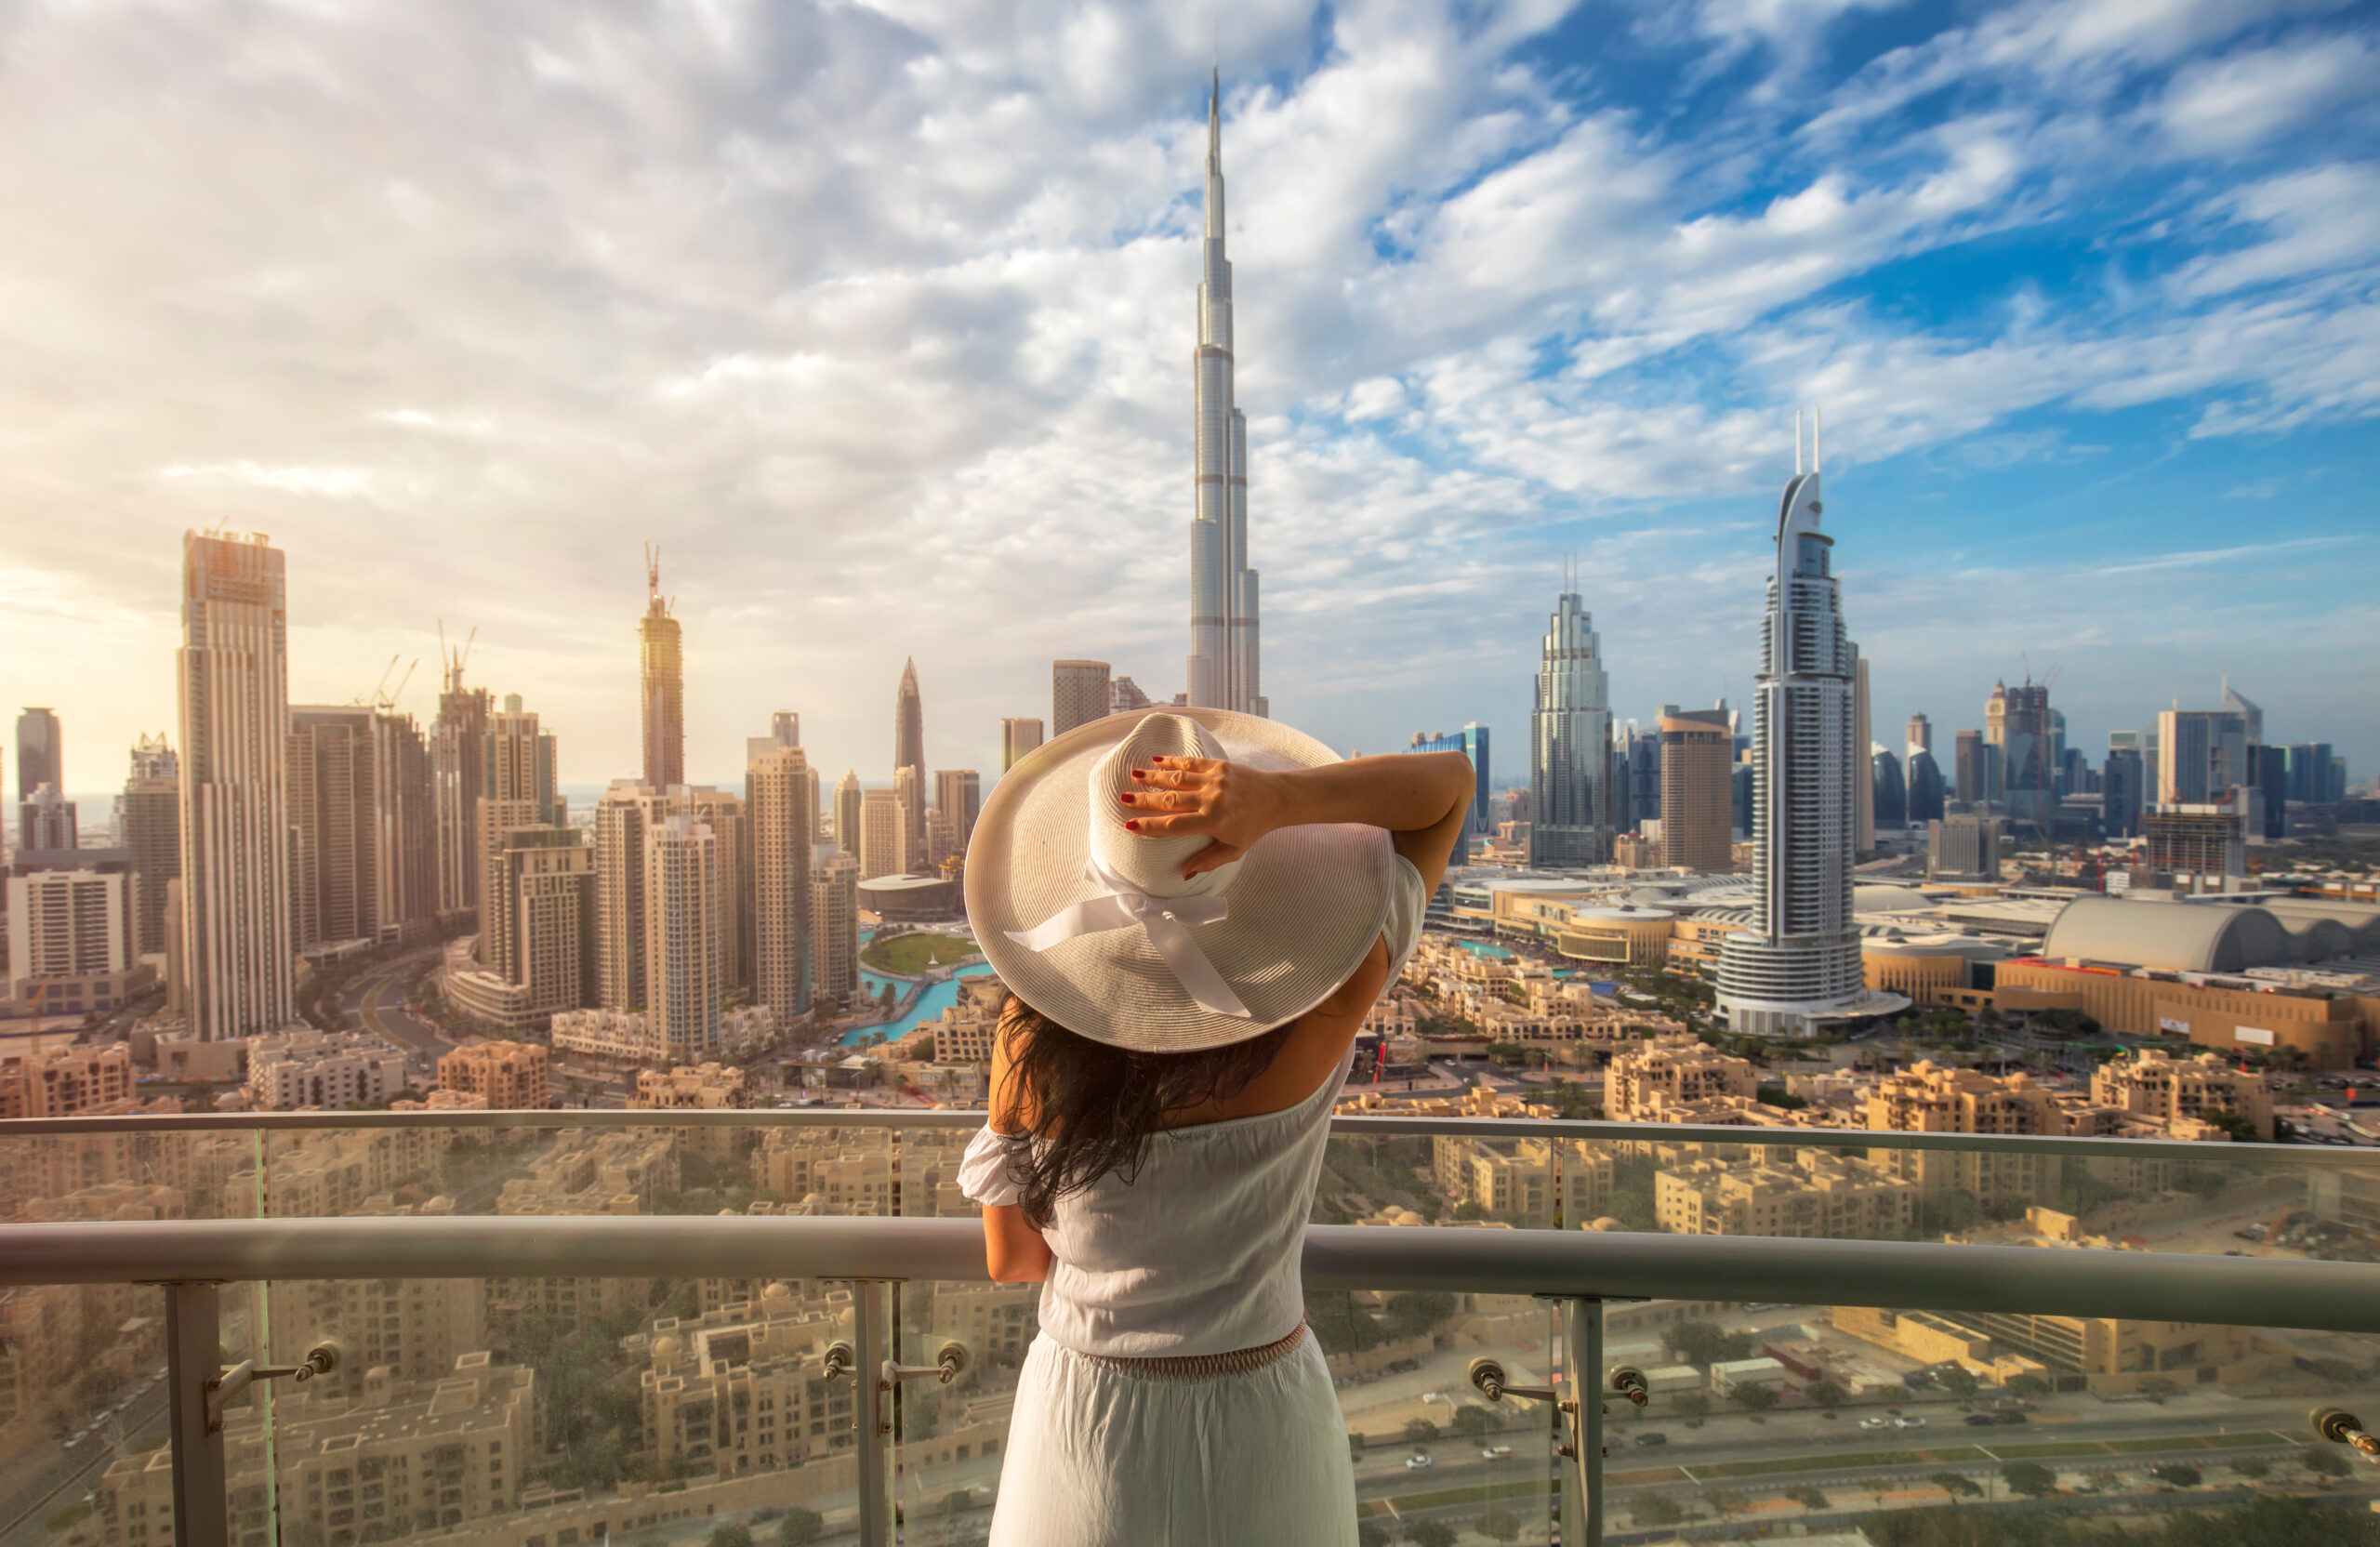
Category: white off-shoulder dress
<point>1198,1254</point>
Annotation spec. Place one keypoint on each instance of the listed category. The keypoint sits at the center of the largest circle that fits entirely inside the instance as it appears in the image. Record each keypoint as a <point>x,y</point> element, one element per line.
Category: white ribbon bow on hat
<point>1164,919</point>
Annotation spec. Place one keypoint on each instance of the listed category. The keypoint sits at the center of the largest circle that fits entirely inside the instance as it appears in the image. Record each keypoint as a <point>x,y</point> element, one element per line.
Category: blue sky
<point>878,317</point>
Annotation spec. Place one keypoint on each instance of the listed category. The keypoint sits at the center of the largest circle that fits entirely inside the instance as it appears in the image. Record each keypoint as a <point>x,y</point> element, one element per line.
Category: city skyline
<point>1929,267</point>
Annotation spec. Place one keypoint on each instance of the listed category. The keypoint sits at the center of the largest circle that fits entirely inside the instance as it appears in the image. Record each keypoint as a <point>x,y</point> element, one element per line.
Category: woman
<point>1193,911</point>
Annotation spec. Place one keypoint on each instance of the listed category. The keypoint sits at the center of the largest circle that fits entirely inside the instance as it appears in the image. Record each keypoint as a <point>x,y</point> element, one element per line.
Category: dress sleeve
<point>983,1170</point>
<point>1407,900</point>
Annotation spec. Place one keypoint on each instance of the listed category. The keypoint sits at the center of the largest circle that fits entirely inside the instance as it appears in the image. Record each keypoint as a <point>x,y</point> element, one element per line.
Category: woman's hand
<point>1229,802</point>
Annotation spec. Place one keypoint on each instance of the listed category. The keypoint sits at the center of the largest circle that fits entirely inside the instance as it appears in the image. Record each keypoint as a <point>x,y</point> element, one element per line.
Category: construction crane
<point>450,666</point>
<point>379,697</point>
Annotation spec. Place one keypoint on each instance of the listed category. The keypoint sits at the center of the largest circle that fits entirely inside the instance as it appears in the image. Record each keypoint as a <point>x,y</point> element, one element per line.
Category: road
<point>45,1478</point>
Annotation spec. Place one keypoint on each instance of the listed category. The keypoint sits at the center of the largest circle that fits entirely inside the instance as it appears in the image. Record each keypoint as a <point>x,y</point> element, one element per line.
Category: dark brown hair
<point>1095,1107</point>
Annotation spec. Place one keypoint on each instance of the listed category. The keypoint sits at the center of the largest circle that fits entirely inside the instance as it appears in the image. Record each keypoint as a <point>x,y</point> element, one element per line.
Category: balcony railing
<point>2134,1342</point>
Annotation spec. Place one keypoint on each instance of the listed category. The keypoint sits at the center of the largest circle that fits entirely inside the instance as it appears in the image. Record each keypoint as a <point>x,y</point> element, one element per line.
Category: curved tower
<point>1223,588</point>
<point>909,750</point>
<point>1799,963</point>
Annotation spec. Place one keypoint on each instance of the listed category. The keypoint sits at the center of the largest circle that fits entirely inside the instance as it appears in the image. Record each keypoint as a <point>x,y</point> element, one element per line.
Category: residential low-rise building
<point>331,1070</point>
<point>507,1076</point>
<point>60,1081</point>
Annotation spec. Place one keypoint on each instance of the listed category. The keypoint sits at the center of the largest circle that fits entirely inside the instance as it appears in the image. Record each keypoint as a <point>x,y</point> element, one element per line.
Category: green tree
<point>1419,1430</point>
<point>1754,1399</point>
<point>1416,1312</point>
<point>2250,1468</point>
<point>1958,1381</point>
<point>1955,1486</point>
<point>1499,1525</point>
<point>1809,1496</point>
<point>800,1527</point>
<point>1371,1534</point>
<point>1690,1404</point>
<point>2324,1462</point>
<point>1340,1325</point>
<point>2029,1478</point>
<point>1473,1422</point>
<point>2176,1473</point>
<point>1826,1393</point>
<point>1706,1343</point>
<point>734,1534</point>
<point>2157,1388</point>
<point>957,1502</point>
<point>1430,1533</point>
<point>1469,1209</point>
<point>1657,1509</point>
<point>2028,1385</point>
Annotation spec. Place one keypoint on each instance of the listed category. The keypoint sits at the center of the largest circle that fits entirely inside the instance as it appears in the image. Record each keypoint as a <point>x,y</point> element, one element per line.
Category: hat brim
<point>1306,907</point>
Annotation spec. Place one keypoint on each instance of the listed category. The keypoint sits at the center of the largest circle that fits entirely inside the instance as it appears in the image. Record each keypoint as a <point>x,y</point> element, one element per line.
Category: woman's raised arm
<point>1418,797</point>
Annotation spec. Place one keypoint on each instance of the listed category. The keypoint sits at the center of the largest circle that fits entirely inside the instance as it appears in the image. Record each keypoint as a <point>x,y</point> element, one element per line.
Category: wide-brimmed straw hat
<point>1094,927</point>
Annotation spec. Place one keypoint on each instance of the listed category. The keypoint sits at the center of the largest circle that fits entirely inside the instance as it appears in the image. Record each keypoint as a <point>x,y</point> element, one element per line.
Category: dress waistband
<point>1200,1367</point>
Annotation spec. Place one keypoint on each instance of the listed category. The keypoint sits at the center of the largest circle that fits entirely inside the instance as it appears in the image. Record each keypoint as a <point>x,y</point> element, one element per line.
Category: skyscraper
<point>1924,787</point>
<point>2122,785</point>
<point>1799,961</point>
<point>682,936</point>
<point>1698,756</point>
<point>2201,755</point>
<point>879,834</point>
<point>46,821</point>
<point>1123,696</point>
<point>624,817</point>
<point>909,751</point>
<point>148,824</point>
<point>232,707</point>
<point>1571,744</point>
<point>457,759</point>
<point>1863,792</point>
<point>1223,657</point>
<point>910,800</point>
<point>405,827</point>
<point>1017,738</point>
<point>783,804</point>
<point>334,808</point>
<point>537,943</point>
<point>1078,695</point>
<point>662,684</point>
<point>2027,771</point>
<point>834,912</point>
<point>725,815</point>
<point>41,759</point>
<point>847,813</point>
<point>1891,791</point>
<point>958,794</point>
<point>1972,784</point>
<point>1920,734</point>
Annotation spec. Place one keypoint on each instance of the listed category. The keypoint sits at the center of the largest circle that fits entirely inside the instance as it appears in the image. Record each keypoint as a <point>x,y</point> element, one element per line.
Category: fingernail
<point>1126,797</point>
<point>1140,773</point>
<point>1133,826</point>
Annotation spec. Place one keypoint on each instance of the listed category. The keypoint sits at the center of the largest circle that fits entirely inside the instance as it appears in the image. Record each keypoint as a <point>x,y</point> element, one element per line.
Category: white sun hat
<point>1094,927</point>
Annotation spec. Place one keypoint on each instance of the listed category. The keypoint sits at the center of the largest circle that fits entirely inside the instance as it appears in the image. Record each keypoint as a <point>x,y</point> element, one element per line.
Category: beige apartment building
<point>784,815</point>
<point>417,1328</point>
<point>744,1388</point>
<point>329,1070</point>
<point>1926,1099</point>
<point>507,1076</point>
<point>1523,1181</point>
<point>1672,1070</point>
<point>1698,764</point>
<point>847,1173</point>
<point>2161,1086</point>
<point>694,1087</point>
<point>1817,1193</point>
<point>399,1458</point>
<point>62,1081</point>
<point>880,835</point>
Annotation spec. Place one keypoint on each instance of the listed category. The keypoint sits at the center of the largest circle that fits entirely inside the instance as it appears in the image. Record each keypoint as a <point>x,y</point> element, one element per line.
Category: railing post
<point>873,1412</point>
<point>194,1357</point>
<point>1582,1346</point>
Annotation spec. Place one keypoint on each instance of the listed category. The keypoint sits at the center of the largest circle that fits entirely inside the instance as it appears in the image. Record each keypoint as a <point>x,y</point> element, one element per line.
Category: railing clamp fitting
<point>2341,1427</point>
<point>321,1359</point>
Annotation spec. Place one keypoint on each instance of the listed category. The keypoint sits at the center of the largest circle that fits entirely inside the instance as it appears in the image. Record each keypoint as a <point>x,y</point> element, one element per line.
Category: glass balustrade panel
<point>1782,1419</point>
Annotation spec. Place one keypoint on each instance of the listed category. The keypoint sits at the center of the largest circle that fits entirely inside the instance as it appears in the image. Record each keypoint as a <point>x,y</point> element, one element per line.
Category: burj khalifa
<point>1223,588</point>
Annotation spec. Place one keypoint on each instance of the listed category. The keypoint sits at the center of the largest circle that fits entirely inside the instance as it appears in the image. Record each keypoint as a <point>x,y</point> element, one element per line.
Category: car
<point>1415,1463</point>
<point>1875,1424</point>
<point>1651,1436</point>
<point>1497,1453</point>
<point>1979,1420</point>
<point>1908,1423</point>
<point>78,1437</point>
<point>2010,1418</point>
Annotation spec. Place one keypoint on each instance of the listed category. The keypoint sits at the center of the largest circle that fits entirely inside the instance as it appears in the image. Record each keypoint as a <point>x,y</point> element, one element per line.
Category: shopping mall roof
<point>2173,936</point>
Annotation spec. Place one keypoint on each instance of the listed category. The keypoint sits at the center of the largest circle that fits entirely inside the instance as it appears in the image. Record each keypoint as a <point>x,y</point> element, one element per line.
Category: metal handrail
<point>2322,1157</point>
<point>2244,1291</point>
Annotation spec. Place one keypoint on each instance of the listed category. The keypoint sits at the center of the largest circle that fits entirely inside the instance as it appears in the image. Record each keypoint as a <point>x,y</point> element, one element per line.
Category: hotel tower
<point>1797,964</point>
<point>1223,588</point>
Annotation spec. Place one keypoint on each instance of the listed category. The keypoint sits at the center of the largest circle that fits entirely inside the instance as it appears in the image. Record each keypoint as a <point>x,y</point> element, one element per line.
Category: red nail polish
<point>1126,797</point>
<point>1131,827</point>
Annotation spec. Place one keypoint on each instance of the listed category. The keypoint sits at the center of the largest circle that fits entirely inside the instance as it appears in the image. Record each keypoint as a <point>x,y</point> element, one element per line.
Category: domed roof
<point>1603,1222</point>
<point>2170,936</point>
<point>1878,897</point>
<point>666,1346</point>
